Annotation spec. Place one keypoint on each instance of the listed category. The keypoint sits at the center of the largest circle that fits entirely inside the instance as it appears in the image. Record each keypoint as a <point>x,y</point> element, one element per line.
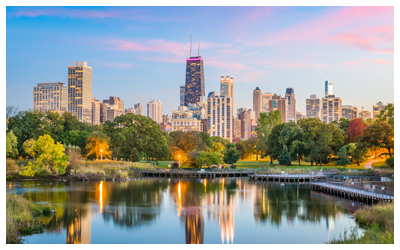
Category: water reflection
<point>146,205</point>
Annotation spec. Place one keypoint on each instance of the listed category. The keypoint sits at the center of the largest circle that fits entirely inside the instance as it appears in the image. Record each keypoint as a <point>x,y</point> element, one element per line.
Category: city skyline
<point>156,56</point>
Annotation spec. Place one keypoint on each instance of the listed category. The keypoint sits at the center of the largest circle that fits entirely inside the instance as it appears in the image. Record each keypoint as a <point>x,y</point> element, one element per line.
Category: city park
<point>47,145</point>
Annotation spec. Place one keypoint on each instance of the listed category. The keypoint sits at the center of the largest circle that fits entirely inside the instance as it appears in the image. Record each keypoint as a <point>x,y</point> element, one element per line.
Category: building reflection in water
<point>215,197</point>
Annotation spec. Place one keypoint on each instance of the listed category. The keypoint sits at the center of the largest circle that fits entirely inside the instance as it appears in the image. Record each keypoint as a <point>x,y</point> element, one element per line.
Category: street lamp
<point>179,161</point>
<point>101,156</point>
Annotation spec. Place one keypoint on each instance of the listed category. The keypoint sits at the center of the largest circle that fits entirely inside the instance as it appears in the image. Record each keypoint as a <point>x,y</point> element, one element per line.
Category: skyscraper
<point>291,104</point>
<point>227,89</point>
<point>219,117</point>
<point>313,107</point>
<point>281,105</point>
<point>265,100</point>
<point>349,112</point>
<point>80,91</point>
<point>96,107</point>
<point>138,108</point>
<point>182,95</point>
<point>376,109</point>
<point>365,114</point>
<point>331,109</point>
<point>257,102</point>
<point>194,86</point>
<point>154,110</point>
<point>50,97</point>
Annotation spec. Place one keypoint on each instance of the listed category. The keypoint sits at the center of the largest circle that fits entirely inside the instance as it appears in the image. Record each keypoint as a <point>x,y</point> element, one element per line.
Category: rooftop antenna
<point>327,75</point>
<point>199,46</point>
<point>190,43</point>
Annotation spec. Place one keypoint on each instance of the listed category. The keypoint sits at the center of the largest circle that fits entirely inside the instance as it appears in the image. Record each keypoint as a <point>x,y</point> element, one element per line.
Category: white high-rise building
<point>227,89</point>
<point>154,110</point>
<point>331,109</point>
<point>80,91</point>
<point>96,110</point>
<point>50,97</point>
<point>313,107</point>
<point>219,117</point>
<point>265,101</point>
<point>349,112</point>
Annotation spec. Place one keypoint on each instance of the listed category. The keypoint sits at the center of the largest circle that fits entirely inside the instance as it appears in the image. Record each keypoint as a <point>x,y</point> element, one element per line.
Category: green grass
<point>378,222</point>
<point>21,218</point>
<point>380,164</point>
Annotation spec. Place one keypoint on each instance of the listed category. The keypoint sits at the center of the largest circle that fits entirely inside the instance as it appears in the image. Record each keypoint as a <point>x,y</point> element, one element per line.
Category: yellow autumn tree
<point>97,142</point>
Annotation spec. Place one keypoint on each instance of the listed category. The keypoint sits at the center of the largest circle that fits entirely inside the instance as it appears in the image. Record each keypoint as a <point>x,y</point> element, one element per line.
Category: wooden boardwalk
<point>355,193</point>
<point>195,174</point>
<point>288,178</point>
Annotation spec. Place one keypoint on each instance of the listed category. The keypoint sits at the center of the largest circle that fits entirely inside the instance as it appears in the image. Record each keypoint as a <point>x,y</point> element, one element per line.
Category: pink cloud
<point>226,64</point>
<point>252,76</point>
<point>115,64</point>
<point>376,61</point>
<point>367,28</point>
<point>279,65</point>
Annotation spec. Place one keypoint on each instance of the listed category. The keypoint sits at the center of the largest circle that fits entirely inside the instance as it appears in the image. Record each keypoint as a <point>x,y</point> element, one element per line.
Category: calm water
<point>187,211</point>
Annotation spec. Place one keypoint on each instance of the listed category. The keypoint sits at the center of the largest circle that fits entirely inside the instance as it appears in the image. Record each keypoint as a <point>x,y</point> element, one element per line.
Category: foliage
<point>284,158</point>
<point>97,145</point>
<point>49,156</point>
<point>274,148</point>
<point>343,158</point>
<point>266,122</point>
<point>355,129</point>
<point>181,143</point>
<point>11,167</point>
<point>379,135</point>
<point>390,161</point>
<point>11,145</point>
<point>387,115</point>
<point>209,158</point>
<point>231,154</point>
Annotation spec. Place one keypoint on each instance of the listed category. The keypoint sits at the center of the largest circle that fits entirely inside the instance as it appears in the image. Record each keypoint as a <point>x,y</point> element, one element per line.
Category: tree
<point>343,158</point>
<point>206,138</point>
<point>344,124</point>
<point>97,145</point>
<point>181,143</point>
<point>208,158</point>
<point>250,147</point>
<point>231,154</point>
<point>379,135</point>
<point>49,157</point>
<point>265,123</point>
<point>355,129</point>
<point>218,143</point>
<point>11,145</point>
<point>387,115</point>
<point>297,150</point>
<point>284,158</point>
<point>390,161</point>
<point>11,111</point>
<point>274,148</point>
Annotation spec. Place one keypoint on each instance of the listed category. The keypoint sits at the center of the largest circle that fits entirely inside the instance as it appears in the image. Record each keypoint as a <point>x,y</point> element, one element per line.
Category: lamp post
<point>101,154</point>
<point>297,160</point>
<point>179,161</point>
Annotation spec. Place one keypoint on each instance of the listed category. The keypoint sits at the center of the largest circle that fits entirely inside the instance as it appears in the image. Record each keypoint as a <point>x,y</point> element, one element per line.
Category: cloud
<point>115,64</point>
<point>366,28</point>
<point>280,65</point>
<point>376,61</point>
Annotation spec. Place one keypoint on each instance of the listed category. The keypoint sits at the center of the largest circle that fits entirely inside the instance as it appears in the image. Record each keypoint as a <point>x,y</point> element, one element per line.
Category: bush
<point>390,161</point>
<point>175,165</point>
<point>284,158</point>
<point>11,167</point>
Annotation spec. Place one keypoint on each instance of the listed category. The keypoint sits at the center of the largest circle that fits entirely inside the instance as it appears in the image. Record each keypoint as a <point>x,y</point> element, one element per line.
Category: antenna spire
<point>190,43</point>
<point>327,75</point>
<point>199,46</point>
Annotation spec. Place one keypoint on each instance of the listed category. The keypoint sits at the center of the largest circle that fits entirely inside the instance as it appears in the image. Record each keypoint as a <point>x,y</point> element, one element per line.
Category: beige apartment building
<point>185,124</point>
<point>257,102</point>
<point>96,110</point>
<point>154,110</point>
<point>331,109</point>
<point>80,91</point>
<point>349,112</point>
<point>219,117</point>
<point>227,89</point>
<point>280,104</point>
<point>313,107</point>
<point>50,97</point>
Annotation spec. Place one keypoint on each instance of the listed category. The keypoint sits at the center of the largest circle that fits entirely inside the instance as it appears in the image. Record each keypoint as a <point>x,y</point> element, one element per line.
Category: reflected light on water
<point>10,186</point>
<point>179,199</point>
<point>101,197</point>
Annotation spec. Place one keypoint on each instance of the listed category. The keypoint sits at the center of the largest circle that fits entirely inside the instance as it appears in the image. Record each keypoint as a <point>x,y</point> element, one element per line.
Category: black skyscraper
<point>194,85</point>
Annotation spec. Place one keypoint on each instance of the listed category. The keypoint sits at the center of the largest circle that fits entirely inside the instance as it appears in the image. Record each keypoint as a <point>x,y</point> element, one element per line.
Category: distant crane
<point>141,109</point>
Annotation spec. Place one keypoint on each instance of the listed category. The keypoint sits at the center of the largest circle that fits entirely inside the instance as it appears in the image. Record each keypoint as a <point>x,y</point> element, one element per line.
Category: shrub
<point>390,161</point>
<point>11,167</point>
<point>284,158</point>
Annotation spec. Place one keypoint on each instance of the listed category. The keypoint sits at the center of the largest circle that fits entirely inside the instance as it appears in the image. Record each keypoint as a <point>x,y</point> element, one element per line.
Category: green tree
<point>265,123</point>
<point>218,143</point>
<point>231,154</point>
<point>206,138</point>
<point>387,115</point>
<point>343,158</point>
<point>209,158</point>
<point>97,145</point>
<point>50,157</point>
<point>379,135</point>
<point>11,145</point>
<point>284,158</point>
<point>274,147</point>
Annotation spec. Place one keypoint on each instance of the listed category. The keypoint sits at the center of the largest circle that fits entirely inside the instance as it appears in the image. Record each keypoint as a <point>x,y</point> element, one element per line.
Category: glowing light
<point>205,185</point>
<point>101,196</point>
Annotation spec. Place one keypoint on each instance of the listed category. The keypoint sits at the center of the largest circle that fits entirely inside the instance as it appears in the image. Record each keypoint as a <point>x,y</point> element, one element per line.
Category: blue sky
<point>141,51</point>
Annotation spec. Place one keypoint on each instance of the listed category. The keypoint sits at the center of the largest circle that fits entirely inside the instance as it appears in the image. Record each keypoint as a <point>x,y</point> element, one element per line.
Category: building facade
<point>291,104</point>
<point>227,89</point>
<point>328,88</point>
<point>96,108</point>
<point>186,124</point>
<point>257,102</point>
<point>115,101</point>
<point>138,108</point>
<point>237,128</point>
<point>313,107</point>
<point>219,117</point>
<point>349,112</point>
<point>50,97</point>
<point>265,101</point>
<point>245,125</point>
<point>154,110</point>
<point>331,109</point>
<point>80,91</point>
<point>282,106</point>
<point>194,85</point>
<point>376,109</point>
<point>182,95</point>
<point>112,112</point>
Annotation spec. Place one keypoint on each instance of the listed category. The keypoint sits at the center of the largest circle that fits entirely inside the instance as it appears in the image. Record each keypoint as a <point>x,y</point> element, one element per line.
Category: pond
<point>163,211</point>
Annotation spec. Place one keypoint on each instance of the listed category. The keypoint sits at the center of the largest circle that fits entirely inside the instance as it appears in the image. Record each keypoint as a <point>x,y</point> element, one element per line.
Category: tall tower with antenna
<point>194,84</point>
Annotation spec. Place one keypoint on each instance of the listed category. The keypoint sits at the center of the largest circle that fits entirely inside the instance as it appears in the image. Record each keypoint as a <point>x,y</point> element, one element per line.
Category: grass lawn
<point>379,164</point>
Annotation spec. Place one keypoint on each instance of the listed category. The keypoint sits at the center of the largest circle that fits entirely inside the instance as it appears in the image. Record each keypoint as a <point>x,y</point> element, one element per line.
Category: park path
<point>369,163</point>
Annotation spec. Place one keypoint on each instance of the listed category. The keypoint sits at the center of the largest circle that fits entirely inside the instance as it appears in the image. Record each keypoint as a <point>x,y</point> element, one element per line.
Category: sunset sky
<point>141,51</point>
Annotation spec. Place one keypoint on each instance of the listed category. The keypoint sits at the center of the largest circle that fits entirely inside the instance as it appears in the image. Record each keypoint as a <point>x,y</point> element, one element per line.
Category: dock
<point>194,174</point>
<point>288,178</point>
<point>355,193</point>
